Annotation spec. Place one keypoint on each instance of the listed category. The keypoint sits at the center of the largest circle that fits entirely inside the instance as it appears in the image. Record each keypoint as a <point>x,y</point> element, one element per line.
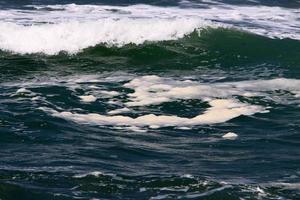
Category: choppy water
<point>149,100</point>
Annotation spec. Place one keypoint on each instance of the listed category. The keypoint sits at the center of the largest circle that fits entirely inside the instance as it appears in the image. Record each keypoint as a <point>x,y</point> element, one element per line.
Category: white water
<point>154,90</point>
<point>221,110</point>
<point>150,90</point>
<point>72,28</point>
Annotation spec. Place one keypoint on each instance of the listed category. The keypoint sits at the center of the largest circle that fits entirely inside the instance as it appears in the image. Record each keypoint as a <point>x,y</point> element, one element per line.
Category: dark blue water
<point>149,100</point>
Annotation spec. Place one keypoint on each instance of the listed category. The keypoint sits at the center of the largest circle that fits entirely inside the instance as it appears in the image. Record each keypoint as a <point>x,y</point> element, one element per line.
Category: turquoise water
<point>149,100</point>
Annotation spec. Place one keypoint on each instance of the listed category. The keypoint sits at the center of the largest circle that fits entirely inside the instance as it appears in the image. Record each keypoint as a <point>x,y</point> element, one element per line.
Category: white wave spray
<point>71,27</point>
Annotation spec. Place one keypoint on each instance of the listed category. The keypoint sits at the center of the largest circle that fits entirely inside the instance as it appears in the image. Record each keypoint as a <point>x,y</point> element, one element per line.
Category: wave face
<point>72,37</point>
<point>72,28</point>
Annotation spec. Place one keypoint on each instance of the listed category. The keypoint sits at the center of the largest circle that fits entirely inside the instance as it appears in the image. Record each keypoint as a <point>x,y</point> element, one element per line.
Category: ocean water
<point>149,99</point>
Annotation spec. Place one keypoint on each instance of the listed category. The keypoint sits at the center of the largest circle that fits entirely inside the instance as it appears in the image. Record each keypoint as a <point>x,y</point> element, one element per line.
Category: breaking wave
<point>72,28</point>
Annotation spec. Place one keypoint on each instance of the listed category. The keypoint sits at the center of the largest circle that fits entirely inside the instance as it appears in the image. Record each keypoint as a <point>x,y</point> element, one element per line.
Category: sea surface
<point>130,99</point>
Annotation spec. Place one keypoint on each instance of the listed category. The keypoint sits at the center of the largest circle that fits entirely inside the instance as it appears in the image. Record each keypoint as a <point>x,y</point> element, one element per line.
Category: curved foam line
<point>221,110</point>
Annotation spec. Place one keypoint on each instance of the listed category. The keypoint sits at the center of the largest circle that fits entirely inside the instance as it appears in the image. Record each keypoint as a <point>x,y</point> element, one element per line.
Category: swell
<point>73,28</point>
<point>210,46</point>
<point>213,48</point>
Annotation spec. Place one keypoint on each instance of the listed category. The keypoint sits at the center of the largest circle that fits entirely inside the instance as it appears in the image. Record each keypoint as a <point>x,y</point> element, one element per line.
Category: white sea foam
<point>23,90</point>
<point>118,111</point>
<point>35,98</point>
<point>230,136</point>
<point>110,93</point>
<point>221,110</point>
<point>153,90</point>
<point>88,98</point>
<point>72,28</point>
<point>149,90</point>
<point>95,173</point>
<point>293,186</point>
<point>74,36</point>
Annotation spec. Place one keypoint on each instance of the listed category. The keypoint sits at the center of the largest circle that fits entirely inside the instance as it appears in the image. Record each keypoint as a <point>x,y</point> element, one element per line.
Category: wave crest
<point>75,36</point>
<point>71,28</point>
